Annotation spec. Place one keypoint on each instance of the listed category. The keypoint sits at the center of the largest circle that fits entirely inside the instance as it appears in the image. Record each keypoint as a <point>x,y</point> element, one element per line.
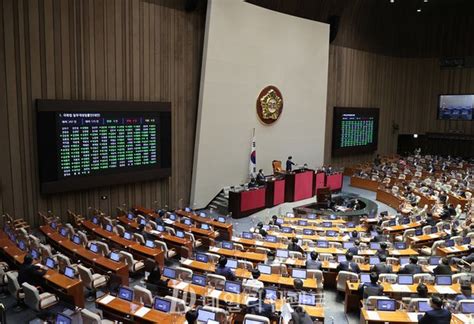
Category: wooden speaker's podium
<point>323,196</point>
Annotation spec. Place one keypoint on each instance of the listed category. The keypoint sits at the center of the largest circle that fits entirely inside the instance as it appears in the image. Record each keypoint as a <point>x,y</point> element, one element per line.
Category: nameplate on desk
<point>182,285</point>
<point>433,235</point>
<point>405,226</point>
<point>373,315</point>
<point>187,262</point>
<point>290,261</point>
<point>168,221</point>
<point>142,311</point>
<point>299,236</point>
<point>214,249</point>
<point>215,294</point>
<point>258,243</point>
<point>107,299</point>
<point>444,290</point>
<point>402,288</point>
<point>236,239</point>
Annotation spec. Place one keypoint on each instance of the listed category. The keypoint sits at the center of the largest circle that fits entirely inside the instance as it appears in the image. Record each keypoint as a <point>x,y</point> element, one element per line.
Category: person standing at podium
<point>289,164</point>
<point>260,177</point>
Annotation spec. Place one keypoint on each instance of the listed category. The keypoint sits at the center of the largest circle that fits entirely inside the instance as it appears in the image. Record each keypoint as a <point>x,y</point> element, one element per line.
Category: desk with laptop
<point>88,256</point>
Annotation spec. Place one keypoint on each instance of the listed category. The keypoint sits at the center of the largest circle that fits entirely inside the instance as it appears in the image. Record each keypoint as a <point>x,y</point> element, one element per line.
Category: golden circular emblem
<point>269,105</point>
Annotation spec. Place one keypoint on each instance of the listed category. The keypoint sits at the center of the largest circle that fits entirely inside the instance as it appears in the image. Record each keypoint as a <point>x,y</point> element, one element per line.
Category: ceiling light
<point>392,1</point>
<point>425,1</point>
<point>418,10</point>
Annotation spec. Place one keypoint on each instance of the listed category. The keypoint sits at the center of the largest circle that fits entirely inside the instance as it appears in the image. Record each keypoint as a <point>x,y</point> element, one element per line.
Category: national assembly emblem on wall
<point>269,105</point>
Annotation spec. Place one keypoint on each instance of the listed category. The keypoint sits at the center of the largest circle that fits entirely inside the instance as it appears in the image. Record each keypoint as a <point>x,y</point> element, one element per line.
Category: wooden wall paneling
<point>94,49</point>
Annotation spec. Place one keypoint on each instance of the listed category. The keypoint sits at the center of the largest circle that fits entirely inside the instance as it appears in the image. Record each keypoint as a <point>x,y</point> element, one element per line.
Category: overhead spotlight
<point>418,10</point>
<point>415,135</point>
<point>392,1</point>
<point>425,1</point>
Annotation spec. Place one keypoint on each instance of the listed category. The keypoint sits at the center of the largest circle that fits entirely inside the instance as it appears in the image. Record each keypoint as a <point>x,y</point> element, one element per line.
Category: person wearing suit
<point>348,265</point>
<point>259,307</point>
<point>354,249</point>
<point>412,267</point>
<point>382,267</point>
<point>443,268</point>
<point>223,270</point>
<point>383,249</point>
<point>380,237</point>
<point>30,273</point>
<point>274,221</point>
<point>289,164</point>
<point>314,263</point>
<point>293,246</point>
<point>371,289</point>
<point>438,315</point>
<point>260,177</point>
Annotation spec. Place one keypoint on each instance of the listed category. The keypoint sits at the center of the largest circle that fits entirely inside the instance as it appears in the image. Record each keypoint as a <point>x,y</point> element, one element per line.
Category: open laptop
<point>201,257</point>
<point>125,293</point>
<point>443,280</point>
<point>347,245</point>
<point>374,260</point>
<point>286,230</point>
<point>271,293</point>
<point>95,220</point>
<point>169,273</point>
<point>69,272</point>
<point>22,245</point>
<point>449,243</point>
<point>271,238</point>
<point>232,263</point>
<point>307,299</point>
<point>434,260</point>
<point>326,224</point>
<point>205,227</point>
<point>221,219</point>
<point>424,306</point>
<point>205,315</point>
<point>63,231</point>
<point>199,280</point>
<point>374,245</point>
<point>233,287</point>
<point>94,248</point>
<point>308,231</point>
<point>76,239</point>
<point>247,235</point>
<point>114,256</point>
<point>298,273</point>
<point>150,244</point>
<point>311,216</point>
<point>341,257</point>
<point>404,260</point>
<point>265,269</point>
<point>227,245</point>
<point>188,222</point>
<point>109,228</point>
<point>364,277</point>
<point>302,222</point>
<point>130,216</point>
<point>386,305</point>
<point>35,254</point>
<point>400,245</point>
<point>467,307</point>
<point>405,279</point>
<point>322,244</point>
<point>127,235</point>
<point>282,254</point>
<point>162,305</point>
<point>180,234</point>
<point>50,263</point>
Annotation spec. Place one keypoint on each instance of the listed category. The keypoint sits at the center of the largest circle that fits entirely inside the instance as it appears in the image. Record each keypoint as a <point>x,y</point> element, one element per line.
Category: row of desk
<point>70,290</point>
<point>294,186</point>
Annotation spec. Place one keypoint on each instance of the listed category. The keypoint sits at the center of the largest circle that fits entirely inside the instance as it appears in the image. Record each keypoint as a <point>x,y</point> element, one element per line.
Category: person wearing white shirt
<point>254,283</point>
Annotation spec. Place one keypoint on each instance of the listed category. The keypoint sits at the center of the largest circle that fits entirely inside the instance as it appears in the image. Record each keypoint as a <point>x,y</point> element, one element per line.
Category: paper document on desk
<point>214,249</point>
<point>373,316</point>
<point>215,294</point>
<point>142,311</point>
<point>182,285</point>
<point>413,317</point>
<point>187,262</point>
<point>107,299</point>
<point>290,261</point>
<point>168,221</point>
<point>444,290</point>
<point>401,288</point>
<point>236,239</point>
<point>258,243</point>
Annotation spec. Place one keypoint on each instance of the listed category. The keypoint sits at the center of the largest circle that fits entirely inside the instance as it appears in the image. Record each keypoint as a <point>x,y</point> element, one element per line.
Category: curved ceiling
<point>442,28</point>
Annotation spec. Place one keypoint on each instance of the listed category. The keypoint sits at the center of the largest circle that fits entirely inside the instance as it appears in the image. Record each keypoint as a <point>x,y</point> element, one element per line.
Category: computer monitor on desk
<point>162,305</point>
<point>387,305</point>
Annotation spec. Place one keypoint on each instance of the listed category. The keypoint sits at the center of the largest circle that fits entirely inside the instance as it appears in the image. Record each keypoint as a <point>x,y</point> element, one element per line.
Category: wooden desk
<point>401,228</point>
<point>70,289</point>
<point>299,185</point>
<point>224,228</point>
<point>134,247</point>
<point>251,256</point>
<point>174,241</point>
<point>97,261</point>
<point>399,316</point>
<point>315,237</point>
<point>246,202</point>
<point>363,183</point>
<point>123,310</point>
<point>457,200</point>
<point>241,299</point>
<point>388,198</point>
<point>293,220</point>
<point>273,279</point>
<point>455,250</point>
<point>425,239</point>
